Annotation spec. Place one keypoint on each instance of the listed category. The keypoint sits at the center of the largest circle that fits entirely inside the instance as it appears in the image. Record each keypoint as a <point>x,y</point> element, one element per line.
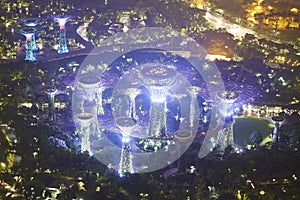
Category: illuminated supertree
<point>132,93</point>
<point>86,126</point>
<point>277,120</point>
<point>99,99</point>
<point>125,166</point>
<point>62,20</point>
<point>51,94</point>
<point>31,22</point>
<point>28,32</point>
<point>225,136</point>
<point>194,91</point>
<point>158,79</point>
<point>126,125</point>
<point>91,86</point>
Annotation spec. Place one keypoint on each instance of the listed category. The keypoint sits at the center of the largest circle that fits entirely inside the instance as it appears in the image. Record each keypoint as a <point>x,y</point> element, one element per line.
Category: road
<point>219,22</point>
<point>79,31</point>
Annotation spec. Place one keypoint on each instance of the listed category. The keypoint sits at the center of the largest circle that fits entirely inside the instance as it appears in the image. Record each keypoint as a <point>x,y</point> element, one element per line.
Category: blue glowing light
<point>29,47</point>
<point>62,20</point>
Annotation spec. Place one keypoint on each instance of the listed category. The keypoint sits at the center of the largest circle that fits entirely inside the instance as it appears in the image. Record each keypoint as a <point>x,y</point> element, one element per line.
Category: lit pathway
<point>219,22</point>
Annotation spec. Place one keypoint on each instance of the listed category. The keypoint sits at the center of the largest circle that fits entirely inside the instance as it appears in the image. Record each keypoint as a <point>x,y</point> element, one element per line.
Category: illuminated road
<point>219,22</point>
<point>81,30</point>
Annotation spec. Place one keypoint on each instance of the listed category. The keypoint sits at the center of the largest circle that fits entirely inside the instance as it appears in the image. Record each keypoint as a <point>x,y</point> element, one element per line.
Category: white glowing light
<point>62,21</point>
<point>158,94</point>
<point>125,139</point>
<point>28,36</point>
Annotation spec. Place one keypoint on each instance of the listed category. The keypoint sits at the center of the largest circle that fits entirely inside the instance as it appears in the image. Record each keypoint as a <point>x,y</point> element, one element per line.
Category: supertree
<point>51,94</point>
<point>31,22</point>
<point>132,93</point>
<point>194,91</point>
<point>62,20</point>
<point>28,32</point>
<point>86,125</point>
<point>226,109</point>
<point>126,126</point>
<point>158,79</point>
<point>277,120</point>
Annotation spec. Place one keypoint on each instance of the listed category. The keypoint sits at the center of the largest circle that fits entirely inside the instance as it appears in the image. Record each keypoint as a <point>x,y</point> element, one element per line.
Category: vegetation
<point>41,163</point>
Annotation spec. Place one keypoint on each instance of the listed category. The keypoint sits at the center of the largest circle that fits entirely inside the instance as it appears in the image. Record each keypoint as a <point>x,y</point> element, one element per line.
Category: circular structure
<point>168,112</point>
<point>51,91</point>
<point>61,19</point>
<point>89,81</point>
<point>89,84</point>
<point>85,118</point>
<point>27,30</point>
<point>158,75</point>
<point>183,135</point>
<point>158,78</point>
<point>30,21</point>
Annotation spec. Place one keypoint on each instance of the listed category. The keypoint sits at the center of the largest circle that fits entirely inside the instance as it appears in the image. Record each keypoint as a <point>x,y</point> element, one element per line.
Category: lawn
<point>244,126</point>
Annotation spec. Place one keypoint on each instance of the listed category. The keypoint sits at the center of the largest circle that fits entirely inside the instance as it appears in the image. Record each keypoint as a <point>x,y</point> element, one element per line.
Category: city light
<point>192,99</point>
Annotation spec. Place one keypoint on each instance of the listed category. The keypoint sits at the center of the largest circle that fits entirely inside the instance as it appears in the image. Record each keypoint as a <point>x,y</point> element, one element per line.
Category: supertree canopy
<point>62,20</point>
<point>150,104</point>
<point>28,32</point>
<point>31,22</point>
